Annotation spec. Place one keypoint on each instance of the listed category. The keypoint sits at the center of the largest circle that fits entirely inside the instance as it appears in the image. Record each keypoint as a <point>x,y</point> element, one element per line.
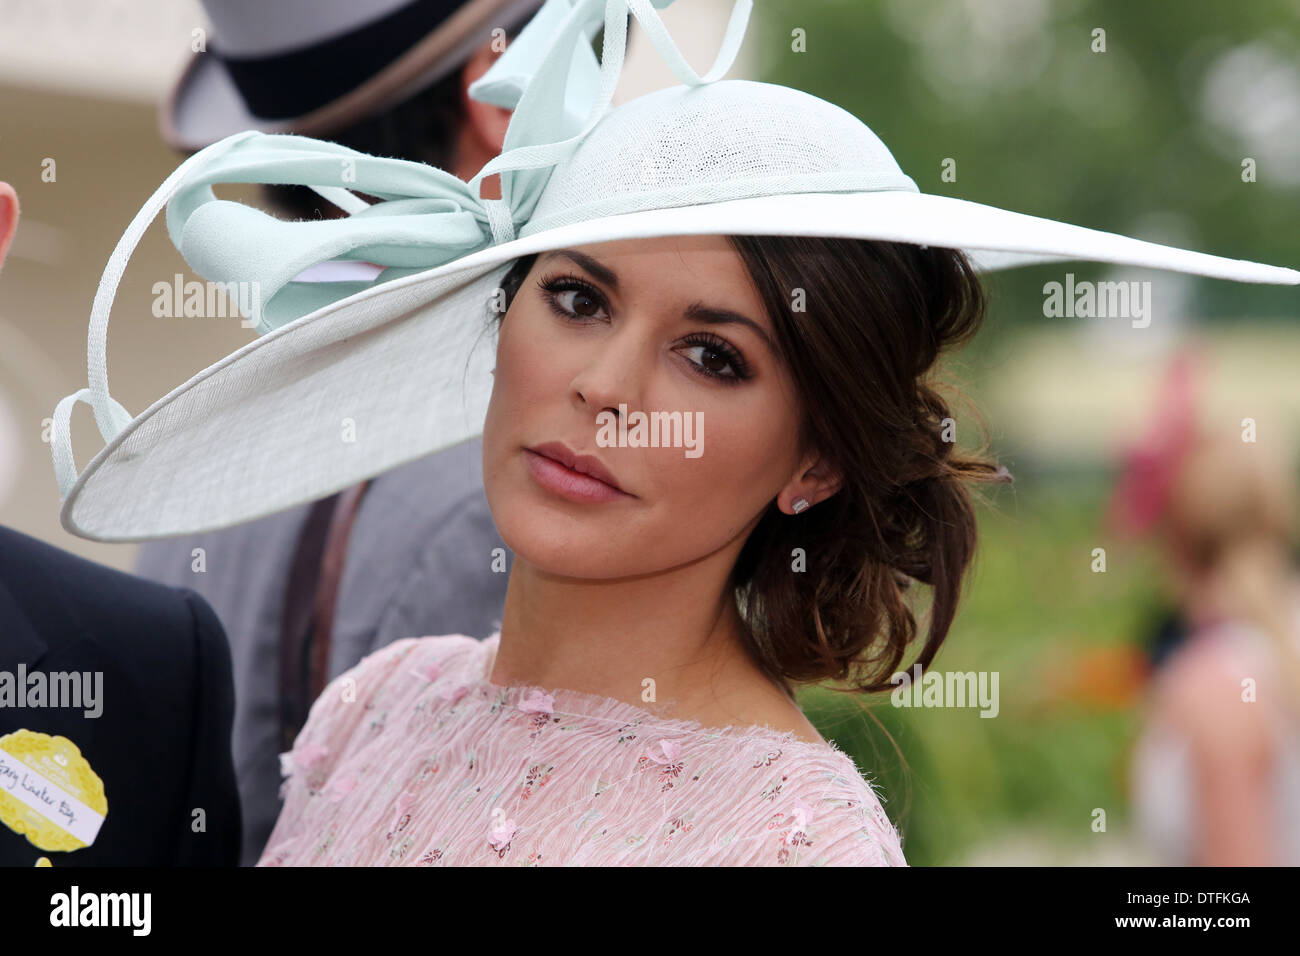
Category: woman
<point>1216,769</point>
<point>821,436</point>
<point>671,256</point>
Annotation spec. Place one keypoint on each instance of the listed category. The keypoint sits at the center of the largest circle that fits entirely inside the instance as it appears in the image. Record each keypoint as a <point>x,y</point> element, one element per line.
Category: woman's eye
<point>710,359</point>
<point>714,357</point>
<point>572,299</point>
<point>579,302</point>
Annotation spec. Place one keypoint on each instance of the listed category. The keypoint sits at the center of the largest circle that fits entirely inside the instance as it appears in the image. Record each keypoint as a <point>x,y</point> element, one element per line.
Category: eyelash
<point>554,285</point>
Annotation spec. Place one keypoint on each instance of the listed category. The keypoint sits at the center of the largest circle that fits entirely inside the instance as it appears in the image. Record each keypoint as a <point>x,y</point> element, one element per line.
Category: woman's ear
<point>815,481</point>
<point>8,217</point>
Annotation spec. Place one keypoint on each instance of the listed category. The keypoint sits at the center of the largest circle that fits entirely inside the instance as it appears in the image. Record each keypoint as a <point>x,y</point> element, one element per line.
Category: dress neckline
<point>618,712</point>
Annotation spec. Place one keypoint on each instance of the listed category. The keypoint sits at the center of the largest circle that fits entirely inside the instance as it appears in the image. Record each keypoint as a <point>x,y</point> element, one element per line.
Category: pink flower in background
<point>1150,466</point>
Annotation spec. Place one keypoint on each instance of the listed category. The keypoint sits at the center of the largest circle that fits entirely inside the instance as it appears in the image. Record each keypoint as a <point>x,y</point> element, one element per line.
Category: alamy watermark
<point>199,300</point>
<point>652,430</point>
<point>946,689</point>
<point>55,689</point>
<point>1101,300</point>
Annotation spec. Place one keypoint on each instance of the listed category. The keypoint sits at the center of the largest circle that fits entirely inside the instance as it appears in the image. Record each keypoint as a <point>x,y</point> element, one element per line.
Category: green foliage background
<point>1119,141</point>
<point>1040,124</point>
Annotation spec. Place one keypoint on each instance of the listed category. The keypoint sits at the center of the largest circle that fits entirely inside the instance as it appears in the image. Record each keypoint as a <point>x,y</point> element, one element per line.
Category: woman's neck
<point>657,638</point>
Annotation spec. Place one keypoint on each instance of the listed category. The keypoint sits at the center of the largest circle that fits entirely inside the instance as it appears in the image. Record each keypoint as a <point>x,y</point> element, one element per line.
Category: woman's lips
<point>575,486</point>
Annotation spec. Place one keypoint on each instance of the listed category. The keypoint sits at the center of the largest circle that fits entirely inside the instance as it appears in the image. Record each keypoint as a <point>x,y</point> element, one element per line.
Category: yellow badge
<point>48,792</point>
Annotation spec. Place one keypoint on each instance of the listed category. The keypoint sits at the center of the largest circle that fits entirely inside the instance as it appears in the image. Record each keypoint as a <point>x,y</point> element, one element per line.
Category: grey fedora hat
<point>315,66</point>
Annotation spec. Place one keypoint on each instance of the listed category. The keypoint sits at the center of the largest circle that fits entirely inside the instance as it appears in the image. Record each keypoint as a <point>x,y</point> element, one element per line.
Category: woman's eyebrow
<point>711,316</point>
<point>697,311</point>
<point>591,265</point>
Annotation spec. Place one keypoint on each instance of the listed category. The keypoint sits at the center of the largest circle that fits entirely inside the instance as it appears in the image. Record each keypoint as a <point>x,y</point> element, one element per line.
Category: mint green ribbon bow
<point>426,217</point>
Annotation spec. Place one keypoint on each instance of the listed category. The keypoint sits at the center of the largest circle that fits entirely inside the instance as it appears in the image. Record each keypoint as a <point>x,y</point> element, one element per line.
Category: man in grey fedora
<point>305,594</point>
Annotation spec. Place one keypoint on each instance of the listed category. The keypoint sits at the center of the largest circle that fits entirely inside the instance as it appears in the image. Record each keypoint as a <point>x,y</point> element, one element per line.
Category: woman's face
<point>609,326</point>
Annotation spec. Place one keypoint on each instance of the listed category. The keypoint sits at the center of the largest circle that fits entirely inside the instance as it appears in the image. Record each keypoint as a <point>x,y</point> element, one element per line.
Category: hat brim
<point>402,370</point>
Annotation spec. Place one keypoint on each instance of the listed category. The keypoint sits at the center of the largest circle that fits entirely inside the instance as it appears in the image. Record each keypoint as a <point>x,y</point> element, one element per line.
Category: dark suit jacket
<point>161,744</point>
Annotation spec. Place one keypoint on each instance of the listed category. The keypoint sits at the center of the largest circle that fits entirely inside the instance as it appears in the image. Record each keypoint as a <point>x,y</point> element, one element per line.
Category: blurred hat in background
<point>315,66</point>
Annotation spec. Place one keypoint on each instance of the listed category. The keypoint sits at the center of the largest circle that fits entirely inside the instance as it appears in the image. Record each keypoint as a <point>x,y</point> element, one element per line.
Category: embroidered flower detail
<point>536,777</point>
<point>771,791</point>
<point>432,856</point>
<point>796,824</point>
<point>623,736</point>
<point>429,672</point>
<point>671,767</point>
<point>767,759</point>
<point>675,824</point>
<point>400,817</point>
<point>537,703</point>
<point>399,826</point>
<point>800,818</point>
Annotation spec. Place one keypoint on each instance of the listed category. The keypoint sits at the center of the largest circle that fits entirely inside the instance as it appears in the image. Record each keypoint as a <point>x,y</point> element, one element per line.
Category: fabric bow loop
<point>272,252</point>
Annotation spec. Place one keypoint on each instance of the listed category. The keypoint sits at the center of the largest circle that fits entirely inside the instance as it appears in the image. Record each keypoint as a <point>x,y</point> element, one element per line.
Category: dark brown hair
<point>859,324</point>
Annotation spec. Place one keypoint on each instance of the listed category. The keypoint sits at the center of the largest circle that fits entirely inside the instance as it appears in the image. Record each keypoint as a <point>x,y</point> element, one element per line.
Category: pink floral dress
<point>414,757</point>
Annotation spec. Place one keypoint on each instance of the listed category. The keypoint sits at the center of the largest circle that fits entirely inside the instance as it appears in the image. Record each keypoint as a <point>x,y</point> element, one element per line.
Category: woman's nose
<point>613,372</point>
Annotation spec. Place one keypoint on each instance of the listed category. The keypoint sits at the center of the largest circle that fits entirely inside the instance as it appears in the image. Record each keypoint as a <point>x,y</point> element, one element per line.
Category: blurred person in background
<point>1216,769</point>
<point>307,593</point>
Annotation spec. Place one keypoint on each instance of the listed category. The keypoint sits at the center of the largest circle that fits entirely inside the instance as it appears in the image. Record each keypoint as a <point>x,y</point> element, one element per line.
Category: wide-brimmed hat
<point>350,379</point>
<point>314,67</point>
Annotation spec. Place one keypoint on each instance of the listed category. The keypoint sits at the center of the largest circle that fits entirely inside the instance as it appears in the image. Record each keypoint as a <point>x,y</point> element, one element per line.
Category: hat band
<point>298,82</point>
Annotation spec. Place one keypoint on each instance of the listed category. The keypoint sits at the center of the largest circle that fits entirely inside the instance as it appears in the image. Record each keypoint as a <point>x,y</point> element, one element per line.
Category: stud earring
<point>799,504</point>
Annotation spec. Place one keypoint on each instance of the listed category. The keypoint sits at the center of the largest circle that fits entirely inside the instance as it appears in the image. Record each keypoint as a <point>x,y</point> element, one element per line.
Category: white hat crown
<point>730,139</point>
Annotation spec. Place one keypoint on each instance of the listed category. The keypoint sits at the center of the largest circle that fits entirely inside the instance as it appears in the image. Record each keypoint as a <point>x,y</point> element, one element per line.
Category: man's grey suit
<point>419,563</point>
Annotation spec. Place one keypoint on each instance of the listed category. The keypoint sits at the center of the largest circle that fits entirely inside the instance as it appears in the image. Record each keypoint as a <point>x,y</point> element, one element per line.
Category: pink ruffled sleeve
<point>352,705</point>
<point>826,814</point>
<point>855,833</point>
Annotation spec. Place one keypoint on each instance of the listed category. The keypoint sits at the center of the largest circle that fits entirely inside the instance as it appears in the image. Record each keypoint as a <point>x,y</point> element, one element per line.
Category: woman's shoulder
<point>808,804</point>
<point>378,682</point>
